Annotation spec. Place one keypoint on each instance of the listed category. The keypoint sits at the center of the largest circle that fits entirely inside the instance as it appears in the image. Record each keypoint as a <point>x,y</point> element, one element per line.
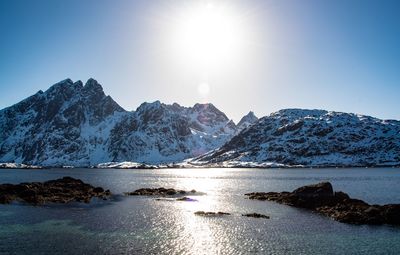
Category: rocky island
<point>64,190</point>
<point>338,205</point>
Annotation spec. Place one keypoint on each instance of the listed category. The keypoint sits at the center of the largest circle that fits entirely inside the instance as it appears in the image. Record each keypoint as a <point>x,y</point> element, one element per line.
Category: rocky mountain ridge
<point>312,138</point>
<point>78,125</point>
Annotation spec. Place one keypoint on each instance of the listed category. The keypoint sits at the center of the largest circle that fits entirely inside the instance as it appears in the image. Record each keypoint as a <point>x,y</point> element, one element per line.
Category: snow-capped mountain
<point>78,125</point>
<point>311,138</point>
<point>67,124</point>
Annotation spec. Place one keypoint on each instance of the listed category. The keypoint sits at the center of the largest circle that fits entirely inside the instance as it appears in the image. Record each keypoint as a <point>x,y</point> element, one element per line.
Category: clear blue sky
<point>341,55</point>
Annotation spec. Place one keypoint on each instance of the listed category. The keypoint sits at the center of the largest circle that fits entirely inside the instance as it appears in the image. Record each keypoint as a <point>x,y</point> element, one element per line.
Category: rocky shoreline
<point>338,205</point>
<point>64,190</point>
<point>320,198</point>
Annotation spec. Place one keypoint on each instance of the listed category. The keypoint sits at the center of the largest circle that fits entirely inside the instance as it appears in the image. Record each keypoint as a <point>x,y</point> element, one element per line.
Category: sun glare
<point>207,35</point>
<point>203,89</point>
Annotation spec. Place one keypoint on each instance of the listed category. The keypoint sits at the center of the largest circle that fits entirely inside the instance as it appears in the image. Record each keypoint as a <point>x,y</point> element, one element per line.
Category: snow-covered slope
<point>160,133</point>
<point>78,125</point>
<point>311,138</point>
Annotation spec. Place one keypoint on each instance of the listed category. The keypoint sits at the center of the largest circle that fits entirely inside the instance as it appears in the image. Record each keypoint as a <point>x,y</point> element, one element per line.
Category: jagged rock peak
<point>146,106</point>
<point>207,110</point>
<point>65,81</point>
<point>205,106</point>
<point>64,85</point>
<point>94,86</point>
<point>249,118</point>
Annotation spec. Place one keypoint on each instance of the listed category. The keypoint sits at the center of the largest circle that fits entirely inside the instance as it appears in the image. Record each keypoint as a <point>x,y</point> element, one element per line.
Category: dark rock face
<point>337,205</point>
<point>158,192</point>
<point>62,190</point>
<point>256,215</point>
<point>294,137</point>
<point>202,213</point>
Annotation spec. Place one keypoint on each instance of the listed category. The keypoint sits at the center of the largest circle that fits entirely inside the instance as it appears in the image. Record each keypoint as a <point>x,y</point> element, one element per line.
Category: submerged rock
<point>158,192</point>
<point>62,190</point>
<point>337,205</point>
<point>203,213</point>
<point>256,215</point>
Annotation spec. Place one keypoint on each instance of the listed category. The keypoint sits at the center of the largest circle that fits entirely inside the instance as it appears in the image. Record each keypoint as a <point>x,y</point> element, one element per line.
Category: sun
<point>207,35</point>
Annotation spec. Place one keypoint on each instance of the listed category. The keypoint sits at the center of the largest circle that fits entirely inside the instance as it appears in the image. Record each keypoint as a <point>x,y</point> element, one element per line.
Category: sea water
<point>144,225</point>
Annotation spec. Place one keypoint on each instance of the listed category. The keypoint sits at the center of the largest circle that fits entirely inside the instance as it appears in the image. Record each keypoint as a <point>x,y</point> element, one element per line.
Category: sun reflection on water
<point>204,232</point>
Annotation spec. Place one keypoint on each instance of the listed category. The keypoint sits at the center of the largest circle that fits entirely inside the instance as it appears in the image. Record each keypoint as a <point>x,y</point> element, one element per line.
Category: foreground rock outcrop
<point>62,190</point>
<point>338,205</point>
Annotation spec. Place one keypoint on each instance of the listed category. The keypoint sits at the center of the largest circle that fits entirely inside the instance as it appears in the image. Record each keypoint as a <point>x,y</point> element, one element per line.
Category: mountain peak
<point>208,114</point>
<point>65,81</point>
<point>250,115</point>
<point>247,120</point>
<point>66,86</point>
<point>62,83</point>
<point>93,85</point>
<point>203,106</point>
<point>149,105</point>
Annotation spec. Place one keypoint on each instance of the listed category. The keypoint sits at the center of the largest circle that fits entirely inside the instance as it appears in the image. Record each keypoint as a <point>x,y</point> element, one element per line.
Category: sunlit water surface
<point>143,225</point>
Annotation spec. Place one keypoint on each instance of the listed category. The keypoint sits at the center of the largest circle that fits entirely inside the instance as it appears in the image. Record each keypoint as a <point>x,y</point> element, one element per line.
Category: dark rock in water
<point>392,213</point>
<point>202,213</point>
<point>187,199</point>
<point>319,189</point>
<point>156,192</point>
<point>337,205</point>
<point>62,190</point>
<point>171,192</point>
<point>256,215</point>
